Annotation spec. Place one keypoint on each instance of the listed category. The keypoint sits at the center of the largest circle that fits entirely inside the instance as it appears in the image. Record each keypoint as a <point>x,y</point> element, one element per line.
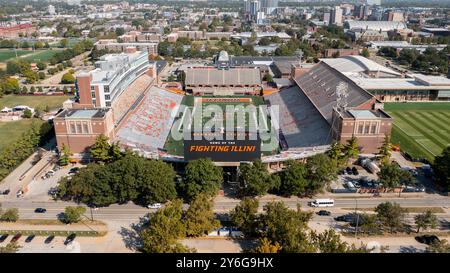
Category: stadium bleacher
<point>131,96</point>
<point>319,85</point>
<point>301,124</point>
<point>148,126</point>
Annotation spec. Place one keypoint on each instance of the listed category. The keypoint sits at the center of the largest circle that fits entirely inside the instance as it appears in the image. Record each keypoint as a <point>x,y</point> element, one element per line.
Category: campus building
<point>78,128</point>
<point>112,45</point>
<point>113,73</point>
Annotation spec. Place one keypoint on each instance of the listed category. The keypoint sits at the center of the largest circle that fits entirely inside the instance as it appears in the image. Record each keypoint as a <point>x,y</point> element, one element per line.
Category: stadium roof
<point>357,64</point>
<point>375,25</point>
<point>300,122</point>
<point>320,85</point>
<point>213,76</point>
<point>83,113</point>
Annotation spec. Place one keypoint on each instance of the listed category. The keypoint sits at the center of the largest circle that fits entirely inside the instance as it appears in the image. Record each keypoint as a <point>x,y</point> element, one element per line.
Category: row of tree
<point>14,154</point>
<point>171,223</point>
<point>280,229</point>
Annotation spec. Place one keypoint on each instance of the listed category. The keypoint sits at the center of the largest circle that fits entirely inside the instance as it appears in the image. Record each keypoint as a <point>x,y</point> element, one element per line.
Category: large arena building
<point>323,103</point>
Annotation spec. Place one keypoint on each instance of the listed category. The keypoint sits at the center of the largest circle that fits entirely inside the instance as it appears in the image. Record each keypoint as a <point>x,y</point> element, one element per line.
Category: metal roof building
<point>375,25</point>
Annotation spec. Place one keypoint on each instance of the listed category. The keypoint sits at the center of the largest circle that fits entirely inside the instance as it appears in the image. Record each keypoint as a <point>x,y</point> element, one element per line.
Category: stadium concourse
<point>147,127</point>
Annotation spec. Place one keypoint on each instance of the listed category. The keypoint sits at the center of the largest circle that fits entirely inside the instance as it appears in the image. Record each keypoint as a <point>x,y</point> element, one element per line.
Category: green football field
<point>421,129</point>
<point>176,147</point>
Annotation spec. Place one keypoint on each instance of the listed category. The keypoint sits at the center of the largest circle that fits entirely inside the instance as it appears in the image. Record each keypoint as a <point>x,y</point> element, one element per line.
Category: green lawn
<point>53,102</point>
<point>11,131</point>
<point>7,54</point>
<point>421,129</point>
<point>41,55</point>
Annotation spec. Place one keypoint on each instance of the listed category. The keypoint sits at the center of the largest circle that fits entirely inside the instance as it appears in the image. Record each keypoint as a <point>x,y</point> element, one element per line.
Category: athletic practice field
<point>421,129</point>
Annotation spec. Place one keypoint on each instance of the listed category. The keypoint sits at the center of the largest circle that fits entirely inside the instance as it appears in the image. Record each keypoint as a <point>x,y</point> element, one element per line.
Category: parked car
<point>355,171</point>
<point>74,170</point>
<point>70,238</point>
<point>40,210</point>
<point>19,193</point>
<point>49,239</point>
<point>348,170</point>
<point>420,188</point>
<point>3,237</point>
<point>6,192</point>
<point>16,237</point>
<point>340,218</point>
<point>323,213</point>
<point>427,239</point>
<point>154,206</point>
<point>30,238</point>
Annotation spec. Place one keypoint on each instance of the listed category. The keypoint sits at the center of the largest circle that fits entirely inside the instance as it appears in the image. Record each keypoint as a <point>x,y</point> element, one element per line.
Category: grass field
<point>7,54</point>
<point>176,147</point>
<point>53,102</point>
<point>421,129</point>
<point>11,131</point>
<point>41,55</point>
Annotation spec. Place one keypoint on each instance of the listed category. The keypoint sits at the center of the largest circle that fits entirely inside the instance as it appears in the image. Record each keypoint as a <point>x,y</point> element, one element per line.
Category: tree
<point>256,179</point>
<point>41,65</point>
<point>9,85</point>
<point>329,242</point>
<point>101,149</point>
<point>165,227</point>
<point>24,90</point>
<point>244,215</point>
<point>287,227</point>
<point>202,176</point>
<point>266,246</point>
<point>268,78</point>
<point>368,223</point>
<point>67,78</point>
<point>32,90</point>
<point>156,182</point>
<point>65,155</point>
<point>391,175</point>
<point>321,171</point>
<point>10,248</point>
<point>294,179</point>
<point>335,153</point>
<point>441,168</point>
<point>27,113</point>
<point>41,75</point>
<point>63,43</point>
<point>365,52</point>
<point>10,215</point>
<point>441,246</point>
<point>390,215</point>
<point>200,219</point>
<point>425,220</point>
<point>73,214</point>
<point>351,149</point>
<point>385,150</point>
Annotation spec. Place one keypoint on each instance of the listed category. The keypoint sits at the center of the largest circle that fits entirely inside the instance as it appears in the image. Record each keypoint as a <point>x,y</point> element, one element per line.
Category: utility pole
<point>357,217</point>
<point>92,215</point>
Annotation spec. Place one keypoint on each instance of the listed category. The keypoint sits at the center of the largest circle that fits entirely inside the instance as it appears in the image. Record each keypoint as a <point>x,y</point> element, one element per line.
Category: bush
<point>10,215</point>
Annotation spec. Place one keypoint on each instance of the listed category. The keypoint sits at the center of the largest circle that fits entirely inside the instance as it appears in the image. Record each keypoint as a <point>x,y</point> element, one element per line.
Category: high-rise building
<point>395,16</point>
<point>336,16</point>
<point>254,7</point>
<point>51,9</point>
<point>327,17</point>
<point>247,4</point>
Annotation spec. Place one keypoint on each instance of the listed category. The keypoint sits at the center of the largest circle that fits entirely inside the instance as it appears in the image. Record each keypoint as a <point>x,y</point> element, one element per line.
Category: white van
<point>321,203</point>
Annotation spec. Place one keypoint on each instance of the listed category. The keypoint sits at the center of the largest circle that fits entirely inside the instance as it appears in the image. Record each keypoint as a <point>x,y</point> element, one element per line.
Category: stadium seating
<point>148,126</point>
<point>301,124</point>
<point>130,96</point>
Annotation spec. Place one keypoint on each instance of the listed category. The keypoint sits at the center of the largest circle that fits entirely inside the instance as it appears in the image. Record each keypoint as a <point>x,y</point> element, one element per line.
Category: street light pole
<point>357,217</point>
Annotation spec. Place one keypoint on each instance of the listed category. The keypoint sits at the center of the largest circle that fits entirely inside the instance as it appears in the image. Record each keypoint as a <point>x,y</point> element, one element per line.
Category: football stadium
<point>230,119</point>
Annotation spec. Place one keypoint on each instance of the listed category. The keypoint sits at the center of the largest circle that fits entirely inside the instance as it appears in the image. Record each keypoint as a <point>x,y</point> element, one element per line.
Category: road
<point>132,212</point>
